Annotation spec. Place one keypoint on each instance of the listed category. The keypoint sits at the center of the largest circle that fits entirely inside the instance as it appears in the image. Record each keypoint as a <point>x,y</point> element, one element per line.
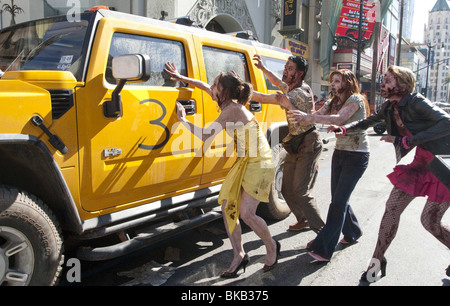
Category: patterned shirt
<point>301,98</point>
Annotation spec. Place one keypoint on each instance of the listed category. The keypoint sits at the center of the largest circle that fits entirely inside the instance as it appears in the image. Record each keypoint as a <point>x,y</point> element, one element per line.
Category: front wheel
<point>30,241</point>
<point>277,208</point>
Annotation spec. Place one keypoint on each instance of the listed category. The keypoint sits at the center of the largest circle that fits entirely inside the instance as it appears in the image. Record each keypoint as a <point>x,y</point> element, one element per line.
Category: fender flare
<point>276,133</point>
<point>39,174</point>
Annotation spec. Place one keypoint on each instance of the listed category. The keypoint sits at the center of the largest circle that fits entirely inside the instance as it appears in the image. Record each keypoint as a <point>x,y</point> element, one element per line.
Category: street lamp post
<point>428,67</point>
<point>429,46</point>
<point>436,83</point>
<point>358,41</point>
<point>358,57</point>
<point>400,34</point>
<point>437,78</point>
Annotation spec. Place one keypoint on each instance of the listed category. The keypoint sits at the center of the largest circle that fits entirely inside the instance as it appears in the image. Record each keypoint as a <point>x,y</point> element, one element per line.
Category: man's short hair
<point>302,64</point>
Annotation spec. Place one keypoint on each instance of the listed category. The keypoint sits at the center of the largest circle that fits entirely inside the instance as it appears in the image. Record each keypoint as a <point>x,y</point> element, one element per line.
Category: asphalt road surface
<point>197,257</point>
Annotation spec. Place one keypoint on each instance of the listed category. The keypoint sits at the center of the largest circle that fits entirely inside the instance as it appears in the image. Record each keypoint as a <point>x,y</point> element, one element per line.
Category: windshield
<point>48,44</point>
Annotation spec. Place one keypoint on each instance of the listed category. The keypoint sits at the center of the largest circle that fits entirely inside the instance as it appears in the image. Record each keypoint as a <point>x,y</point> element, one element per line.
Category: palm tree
<point>14,10</point>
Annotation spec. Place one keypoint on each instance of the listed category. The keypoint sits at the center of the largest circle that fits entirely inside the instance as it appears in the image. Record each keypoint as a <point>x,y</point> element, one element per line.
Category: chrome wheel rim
<point>16,258</point>
<point>278,184</point>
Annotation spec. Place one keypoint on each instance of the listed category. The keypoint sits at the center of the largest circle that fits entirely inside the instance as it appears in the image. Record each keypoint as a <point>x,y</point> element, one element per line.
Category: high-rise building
<point>408,15</point>
<point>437,36</point>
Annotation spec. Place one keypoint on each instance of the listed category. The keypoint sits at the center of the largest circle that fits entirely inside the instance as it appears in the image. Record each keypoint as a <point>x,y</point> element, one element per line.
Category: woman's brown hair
<point>350,87</point>
<point>234,88</point>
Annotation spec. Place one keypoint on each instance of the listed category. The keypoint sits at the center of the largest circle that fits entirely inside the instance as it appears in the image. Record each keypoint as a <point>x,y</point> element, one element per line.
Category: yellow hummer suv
<point>90,145</point>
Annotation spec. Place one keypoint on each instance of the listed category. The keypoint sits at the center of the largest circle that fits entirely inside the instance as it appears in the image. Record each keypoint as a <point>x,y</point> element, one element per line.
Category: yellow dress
<point>253,170</point>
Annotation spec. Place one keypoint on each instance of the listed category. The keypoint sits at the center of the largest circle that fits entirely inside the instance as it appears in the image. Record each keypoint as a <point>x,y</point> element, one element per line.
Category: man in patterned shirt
<point>301,163</point>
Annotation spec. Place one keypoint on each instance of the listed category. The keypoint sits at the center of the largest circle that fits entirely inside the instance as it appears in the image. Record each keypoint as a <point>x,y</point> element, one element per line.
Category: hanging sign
<point>298,48</point>
<point>291,15</point>
<point>348,24</point>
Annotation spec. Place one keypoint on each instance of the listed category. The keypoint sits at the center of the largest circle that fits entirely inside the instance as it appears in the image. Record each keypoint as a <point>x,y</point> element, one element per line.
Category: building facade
<point>306,27</point>
<point>437,37</point>
<point>262,17</point>
<point>408,18</point>
<point>340,49</point>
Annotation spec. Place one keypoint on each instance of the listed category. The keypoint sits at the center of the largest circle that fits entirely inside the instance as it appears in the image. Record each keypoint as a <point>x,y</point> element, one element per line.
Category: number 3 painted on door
<point>157,122</point>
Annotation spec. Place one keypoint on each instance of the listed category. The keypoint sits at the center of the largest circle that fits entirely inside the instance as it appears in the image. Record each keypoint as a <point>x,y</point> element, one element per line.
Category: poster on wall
<point>348,24</point>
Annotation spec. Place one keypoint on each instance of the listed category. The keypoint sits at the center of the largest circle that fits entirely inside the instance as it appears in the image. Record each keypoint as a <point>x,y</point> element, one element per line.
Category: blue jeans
<point>347,168</point>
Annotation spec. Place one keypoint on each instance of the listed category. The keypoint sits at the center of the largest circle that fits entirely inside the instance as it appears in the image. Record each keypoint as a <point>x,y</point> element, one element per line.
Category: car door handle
<point>190,106</point>
<point>255,106</point>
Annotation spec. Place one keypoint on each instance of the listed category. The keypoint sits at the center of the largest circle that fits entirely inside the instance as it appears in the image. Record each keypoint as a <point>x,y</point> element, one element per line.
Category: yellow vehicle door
<point>141,156</point>
<point>216,55</point>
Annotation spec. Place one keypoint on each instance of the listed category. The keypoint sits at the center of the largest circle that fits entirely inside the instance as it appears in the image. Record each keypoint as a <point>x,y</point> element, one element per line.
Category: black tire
<point>276,209</point>
<point>28,223</point>
<point>380,128</point>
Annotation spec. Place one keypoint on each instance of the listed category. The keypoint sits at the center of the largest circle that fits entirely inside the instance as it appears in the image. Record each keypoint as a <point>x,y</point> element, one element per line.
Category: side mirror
<point>126,68</point>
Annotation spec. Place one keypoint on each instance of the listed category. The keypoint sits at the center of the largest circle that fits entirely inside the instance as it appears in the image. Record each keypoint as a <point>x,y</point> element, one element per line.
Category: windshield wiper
<point>44,44</point>
<point>36,50</point>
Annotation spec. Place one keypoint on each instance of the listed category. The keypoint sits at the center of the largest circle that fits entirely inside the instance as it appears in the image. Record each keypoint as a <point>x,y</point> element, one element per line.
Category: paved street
<point>198,257</point>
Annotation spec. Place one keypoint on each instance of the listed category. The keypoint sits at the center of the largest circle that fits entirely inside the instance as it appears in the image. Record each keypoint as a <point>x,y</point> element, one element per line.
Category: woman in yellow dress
<point>249,181</point>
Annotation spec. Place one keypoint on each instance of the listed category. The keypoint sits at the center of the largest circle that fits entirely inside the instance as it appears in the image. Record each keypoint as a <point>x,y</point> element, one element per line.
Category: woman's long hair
<point>350,87</point>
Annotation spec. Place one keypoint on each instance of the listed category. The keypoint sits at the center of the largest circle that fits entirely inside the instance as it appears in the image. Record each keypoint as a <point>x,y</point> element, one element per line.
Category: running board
<point>144,239</point>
